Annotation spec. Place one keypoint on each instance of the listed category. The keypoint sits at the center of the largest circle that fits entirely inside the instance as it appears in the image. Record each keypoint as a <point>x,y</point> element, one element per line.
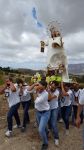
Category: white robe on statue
<point>57,56</point>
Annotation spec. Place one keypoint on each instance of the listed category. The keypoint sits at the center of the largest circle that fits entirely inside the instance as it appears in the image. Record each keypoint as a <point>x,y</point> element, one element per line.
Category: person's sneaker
<point>35,125</point>
<point>23,129</point>
<point>16,126</point>
<point>8,133</point>
<point>67,132</point>
<point>60,121</point>
<point>44,147</point>
<point>57,142</point>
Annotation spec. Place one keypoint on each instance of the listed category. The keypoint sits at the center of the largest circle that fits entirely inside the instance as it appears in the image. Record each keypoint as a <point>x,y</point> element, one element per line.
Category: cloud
<point>74,46</point>
<point>20,37</point>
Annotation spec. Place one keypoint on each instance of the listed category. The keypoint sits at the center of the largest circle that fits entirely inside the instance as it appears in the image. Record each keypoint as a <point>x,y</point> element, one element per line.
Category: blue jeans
<point>53,122</point>
<point>42,119</point>
<point>26,118</point>
<point>59,111</point>
<point>13,112</point>
<point>66,111</point>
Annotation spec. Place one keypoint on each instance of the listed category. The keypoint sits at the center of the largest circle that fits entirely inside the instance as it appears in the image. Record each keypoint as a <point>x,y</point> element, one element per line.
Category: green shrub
<point>1,82</point>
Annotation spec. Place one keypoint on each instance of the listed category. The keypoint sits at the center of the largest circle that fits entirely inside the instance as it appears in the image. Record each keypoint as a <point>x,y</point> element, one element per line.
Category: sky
<point>23,23</point>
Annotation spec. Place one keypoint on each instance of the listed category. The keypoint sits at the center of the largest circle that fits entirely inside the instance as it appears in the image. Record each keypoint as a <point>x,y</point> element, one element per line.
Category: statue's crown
<point>53,26</point>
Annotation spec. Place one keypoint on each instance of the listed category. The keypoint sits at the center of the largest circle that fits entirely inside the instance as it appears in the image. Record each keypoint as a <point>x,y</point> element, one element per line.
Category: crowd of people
<point>53,101</point>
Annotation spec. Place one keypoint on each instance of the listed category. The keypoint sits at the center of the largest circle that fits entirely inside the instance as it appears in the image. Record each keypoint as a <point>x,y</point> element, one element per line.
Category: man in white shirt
<point>42,112</point>
<point>26,102</point>
<point>25,98</point>
<point>12,93</point>
<point>54,108</point>
<point>66,104</point>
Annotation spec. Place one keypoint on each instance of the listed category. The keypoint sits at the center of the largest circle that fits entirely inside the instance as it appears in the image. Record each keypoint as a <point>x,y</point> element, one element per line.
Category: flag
<point>34,15</point>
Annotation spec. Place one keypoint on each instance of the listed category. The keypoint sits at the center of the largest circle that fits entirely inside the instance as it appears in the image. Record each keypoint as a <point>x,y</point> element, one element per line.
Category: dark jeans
<point>26,106</point>
<point>66,111</point>
<point>75,108</point>
<point>59,114</point>
<point>13,112</point>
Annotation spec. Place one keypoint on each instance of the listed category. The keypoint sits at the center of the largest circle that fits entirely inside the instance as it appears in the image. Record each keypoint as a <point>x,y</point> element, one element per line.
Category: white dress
<point>57,56</point>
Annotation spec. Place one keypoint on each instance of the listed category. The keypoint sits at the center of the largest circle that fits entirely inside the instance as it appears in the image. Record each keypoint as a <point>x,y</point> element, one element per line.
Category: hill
<point>77,69</point>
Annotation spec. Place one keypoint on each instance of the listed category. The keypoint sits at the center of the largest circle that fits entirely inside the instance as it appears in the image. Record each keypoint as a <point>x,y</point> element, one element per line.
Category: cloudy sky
<point>20,34</point>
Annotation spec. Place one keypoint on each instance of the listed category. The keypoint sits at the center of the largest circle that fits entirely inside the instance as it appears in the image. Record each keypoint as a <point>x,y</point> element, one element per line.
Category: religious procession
<point>56,98</point>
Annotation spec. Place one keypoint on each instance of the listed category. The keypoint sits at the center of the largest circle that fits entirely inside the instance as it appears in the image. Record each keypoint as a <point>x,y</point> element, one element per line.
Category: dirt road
<point>31,140</point>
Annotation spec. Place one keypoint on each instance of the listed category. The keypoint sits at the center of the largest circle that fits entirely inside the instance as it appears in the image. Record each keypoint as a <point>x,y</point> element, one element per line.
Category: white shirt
<point>66,101</point>
<point>26,94</point>
<point>81,97</point>
<point>41,102</point>
<point>75,94</point>
<point>54,102</point>
<point>13,97</point>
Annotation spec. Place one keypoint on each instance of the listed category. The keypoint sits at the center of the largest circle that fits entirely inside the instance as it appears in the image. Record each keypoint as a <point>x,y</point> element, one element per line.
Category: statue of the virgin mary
<point>56,57</point>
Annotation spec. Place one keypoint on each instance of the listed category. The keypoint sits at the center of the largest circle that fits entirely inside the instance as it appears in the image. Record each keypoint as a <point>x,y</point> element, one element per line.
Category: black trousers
<point>26,118</point>
<point>66,111</point>
<point>13,112</point>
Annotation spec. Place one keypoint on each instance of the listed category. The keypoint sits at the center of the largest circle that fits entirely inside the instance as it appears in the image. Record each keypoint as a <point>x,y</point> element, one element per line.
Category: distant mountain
<point>29,71</point>
<point>76,69</point>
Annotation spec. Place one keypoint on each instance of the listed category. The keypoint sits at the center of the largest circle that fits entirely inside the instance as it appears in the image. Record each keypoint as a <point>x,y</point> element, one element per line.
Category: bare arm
<point>12,87</point>
<point>64,93</point>
<point>80,107</point>
<point>78,120</point>
<point>32,86</point>
<point>51,97</point>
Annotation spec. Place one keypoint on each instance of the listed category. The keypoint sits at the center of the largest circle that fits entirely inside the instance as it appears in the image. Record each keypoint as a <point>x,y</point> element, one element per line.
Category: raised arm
<point>32,86</point>
<point>64,93</point>
<point>12,87</point>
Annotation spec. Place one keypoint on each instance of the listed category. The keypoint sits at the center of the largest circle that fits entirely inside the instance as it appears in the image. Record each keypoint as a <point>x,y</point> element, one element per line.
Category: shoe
<point>23,129</point>
<point>8,133</point>
<point>16,126</point>
<point>57,142</point>
<point>60,121</point>
<point>35,125</point>
<point>44,147</point>
<point>67,132</point>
